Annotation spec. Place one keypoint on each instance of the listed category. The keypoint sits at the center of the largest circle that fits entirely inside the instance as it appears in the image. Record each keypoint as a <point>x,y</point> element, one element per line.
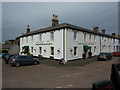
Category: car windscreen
<point>103,54</point>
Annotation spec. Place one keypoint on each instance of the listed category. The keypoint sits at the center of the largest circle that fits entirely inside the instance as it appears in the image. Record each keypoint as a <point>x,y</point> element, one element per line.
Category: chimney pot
<point>114,34</point>
<point>103,31</point>
<point>96,29</point>
<point>28,29</point>
<point>55,20</point>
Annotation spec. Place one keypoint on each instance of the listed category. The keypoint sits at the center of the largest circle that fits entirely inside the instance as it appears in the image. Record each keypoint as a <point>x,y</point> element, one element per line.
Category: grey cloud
<point>17,15</point>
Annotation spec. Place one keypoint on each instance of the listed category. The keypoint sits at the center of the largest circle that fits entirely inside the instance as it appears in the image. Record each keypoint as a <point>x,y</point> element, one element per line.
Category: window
<point>52,36</point>
<point>26,38</point>
<point>90,37</point>
<point>84,36</point>
<point>119,41</point>
<point>75,35</point>
<point>95,50</point>
<point>40,37</point>
<point>75,51</point>
<point>22,40</point>
<point>94,38</point>
<point>31,49</point>
<point>52,50</point>
<point>114,48</point>
<point>113,40</point>
<point>40,50</point>
<point>32,38</point>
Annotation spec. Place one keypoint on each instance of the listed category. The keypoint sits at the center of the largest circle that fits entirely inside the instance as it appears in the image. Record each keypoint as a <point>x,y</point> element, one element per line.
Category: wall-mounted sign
<point>44,44</point>
<point>86,43</point>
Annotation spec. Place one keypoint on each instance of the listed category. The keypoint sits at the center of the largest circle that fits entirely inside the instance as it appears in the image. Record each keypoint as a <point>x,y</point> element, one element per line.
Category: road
<point>41,76</point>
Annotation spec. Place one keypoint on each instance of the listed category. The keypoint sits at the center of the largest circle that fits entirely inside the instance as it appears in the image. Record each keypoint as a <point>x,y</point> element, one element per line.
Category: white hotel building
<point>67,41</point>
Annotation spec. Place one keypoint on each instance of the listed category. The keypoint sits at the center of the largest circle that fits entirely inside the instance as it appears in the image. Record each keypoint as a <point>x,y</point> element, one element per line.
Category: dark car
<point>6,59</point>
<point>19,60</point>
<point>3,55</point>
<point>104,56</point>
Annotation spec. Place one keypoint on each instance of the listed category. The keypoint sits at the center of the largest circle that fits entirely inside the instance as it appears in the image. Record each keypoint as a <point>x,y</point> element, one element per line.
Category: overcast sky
<point>16,15</point>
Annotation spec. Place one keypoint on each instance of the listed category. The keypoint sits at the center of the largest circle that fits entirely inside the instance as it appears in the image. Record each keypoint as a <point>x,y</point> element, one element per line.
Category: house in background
<point>12,46</point>
<point>67,41</point>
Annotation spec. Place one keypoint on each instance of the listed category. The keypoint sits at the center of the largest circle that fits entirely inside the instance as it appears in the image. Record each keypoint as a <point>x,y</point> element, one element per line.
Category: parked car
<point>104,56</point>
<point>6,59</point>
<point>3,55</point>
<point>19,60</point>
<point>116,53</point>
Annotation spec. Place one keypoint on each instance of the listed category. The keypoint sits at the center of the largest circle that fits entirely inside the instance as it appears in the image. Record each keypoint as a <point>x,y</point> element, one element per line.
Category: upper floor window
<point>113,40</point>
<point>52,36</point>
<point>22,40</point>
<point>119,41</point>
<point>26,38</point>
<point>75,35</point>
<point>85,36</point>
<point>32,38</point>
<point>40,37</point>
<point>90,37</point>
<point>95,38</point>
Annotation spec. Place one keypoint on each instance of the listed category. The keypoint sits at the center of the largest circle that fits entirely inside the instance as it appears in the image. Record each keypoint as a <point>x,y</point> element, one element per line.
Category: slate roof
<point>66,25</point>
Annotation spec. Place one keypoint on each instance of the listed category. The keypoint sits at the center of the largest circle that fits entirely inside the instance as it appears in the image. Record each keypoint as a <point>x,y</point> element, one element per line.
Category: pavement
<point>60,76</point>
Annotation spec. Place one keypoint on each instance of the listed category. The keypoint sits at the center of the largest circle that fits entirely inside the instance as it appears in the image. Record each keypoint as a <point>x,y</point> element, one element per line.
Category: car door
<point>23,60</point>
<point>30,60</point>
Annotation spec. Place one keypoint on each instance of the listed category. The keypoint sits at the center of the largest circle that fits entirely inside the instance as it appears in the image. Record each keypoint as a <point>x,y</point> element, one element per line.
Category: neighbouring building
<point>67,41</point>
<point>11,46</point>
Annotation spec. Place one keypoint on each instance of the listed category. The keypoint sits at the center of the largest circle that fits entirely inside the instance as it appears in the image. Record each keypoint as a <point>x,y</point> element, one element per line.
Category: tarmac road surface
<point>42,76</point>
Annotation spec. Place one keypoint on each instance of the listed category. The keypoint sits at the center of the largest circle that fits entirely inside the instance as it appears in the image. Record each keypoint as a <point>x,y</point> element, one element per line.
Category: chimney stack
<point>96,29</point>
<point>55,20</point>
<point>103,31</point>
<point>28,29</point>
<point>114,34</point>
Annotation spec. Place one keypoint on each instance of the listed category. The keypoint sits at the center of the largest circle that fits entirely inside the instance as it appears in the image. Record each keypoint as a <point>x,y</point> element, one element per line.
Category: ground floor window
<point>40,50</point>
<point>52,50</point>
<point>114,48</point>
<point>75,51</point>
<point>31,49</point>
<point>95,50</point>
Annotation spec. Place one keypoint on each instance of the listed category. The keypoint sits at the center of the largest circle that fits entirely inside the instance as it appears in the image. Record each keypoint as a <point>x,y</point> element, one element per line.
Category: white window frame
<point>75,35</point>
<point>40,36</point>
<point>31,49</point>
<point>75,51</point>
<point>52,51</point>
<point>40,50</point>
<point>52,36</point>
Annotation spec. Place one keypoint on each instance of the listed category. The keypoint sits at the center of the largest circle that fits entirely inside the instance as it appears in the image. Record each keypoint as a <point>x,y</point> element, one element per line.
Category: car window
<point>22,57</point>
<point>13,57</point>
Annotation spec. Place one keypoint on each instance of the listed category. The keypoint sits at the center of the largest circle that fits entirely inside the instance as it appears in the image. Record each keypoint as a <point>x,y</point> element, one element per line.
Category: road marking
<point>69,85</point>
<point>59,87</point>
<point>67,75</point>
<point>77,73</point>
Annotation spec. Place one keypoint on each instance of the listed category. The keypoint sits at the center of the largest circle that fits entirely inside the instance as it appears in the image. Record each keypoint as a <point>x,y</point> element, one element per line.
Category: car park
<point>19,60</point>
<point>104,56</point>
<point>116,53</point>
<point>6,59</point>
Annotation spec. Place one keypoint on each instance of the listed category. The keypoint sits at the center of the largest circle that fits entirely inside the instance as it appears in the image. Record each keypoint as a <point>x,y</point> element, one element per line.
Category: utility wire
<point>89,18</point>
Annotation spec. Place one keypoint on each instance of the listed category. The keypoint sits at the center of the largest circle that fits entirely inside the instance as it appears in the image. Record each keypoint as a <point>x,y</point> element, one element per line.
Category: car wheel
<point>17,64</point>
<point>35,63</point>
<point>107,59</point>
